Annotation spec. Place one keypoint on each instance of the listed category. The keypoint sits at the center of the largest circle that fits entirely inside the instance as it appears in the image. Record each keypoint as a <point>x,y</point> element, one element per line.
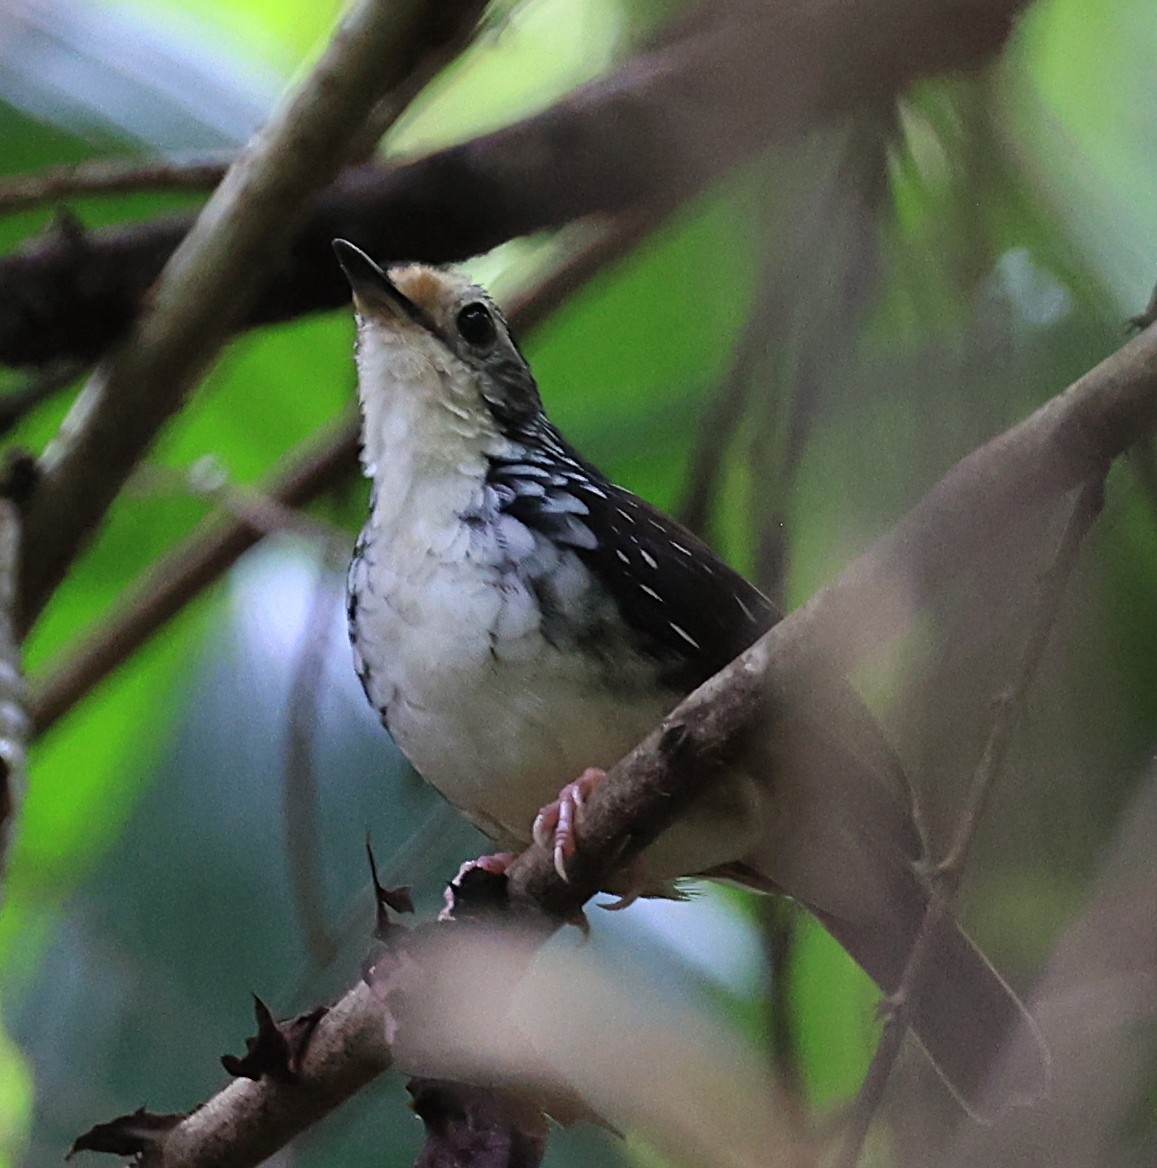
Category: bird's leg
<point>556,824</point>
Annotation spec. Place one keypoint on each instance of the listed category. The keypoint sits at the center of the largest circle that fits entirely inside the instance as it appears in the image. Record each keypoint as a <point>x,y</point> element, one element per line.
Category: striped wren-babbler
<point>517,618</point>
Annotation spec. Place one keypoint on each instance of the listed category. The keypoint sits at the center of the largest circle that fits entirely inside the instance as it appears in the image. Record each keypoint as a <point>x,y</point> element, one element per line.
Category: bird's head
<point>435,359</point>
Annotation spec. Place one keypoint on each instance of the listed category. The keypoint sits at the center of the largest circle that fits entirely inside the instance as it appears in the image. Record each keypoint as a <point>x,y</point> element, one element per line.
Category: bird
<point>517,619</point>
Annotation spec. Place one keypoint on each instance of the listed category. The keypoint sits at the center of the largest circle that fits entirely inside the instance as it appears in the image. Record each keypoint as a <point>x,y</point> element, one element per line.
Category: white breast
<point>486,708</point>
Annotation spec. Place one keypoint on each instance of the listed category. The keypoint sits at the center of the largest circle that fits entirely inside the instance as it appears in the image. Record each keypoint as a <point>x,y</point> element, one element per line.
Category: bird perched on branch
<point>517,619</point>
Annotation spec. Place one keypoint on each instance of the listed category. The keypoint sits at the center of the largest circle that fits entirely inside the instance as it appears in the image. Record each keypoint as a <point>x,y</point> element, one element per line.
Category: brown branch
<point>249,1120</point>
<point>947,878</point>
<point>739,77</point>
<point>105,177</point>
<point>212,278</point>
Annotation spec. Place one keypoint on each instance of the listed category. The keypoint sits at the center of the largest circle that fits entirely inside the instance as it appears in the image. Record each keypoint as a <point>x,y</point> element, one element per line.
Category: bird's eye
<point>476,325</point>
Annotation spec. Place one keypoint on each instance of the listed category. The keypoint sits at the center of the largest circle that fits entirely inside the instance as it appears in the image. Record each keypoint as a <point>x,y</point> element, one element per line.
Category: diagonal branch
<point>251,1119</point>
<point>212,278</point>
<point>177,578</point>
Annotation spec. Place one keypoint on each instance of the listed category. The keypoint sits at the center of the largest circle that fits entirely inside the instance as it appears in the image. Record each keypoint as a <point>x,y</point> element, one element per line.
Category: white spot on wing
<point>685,635</point>
<point>649,559</point>
<point>651,592</point>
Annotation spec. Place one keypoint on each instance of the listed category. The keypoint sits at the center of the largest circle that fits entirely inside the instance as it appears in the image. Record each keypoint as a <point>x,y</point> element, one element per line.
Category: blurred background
<point>873,301</point>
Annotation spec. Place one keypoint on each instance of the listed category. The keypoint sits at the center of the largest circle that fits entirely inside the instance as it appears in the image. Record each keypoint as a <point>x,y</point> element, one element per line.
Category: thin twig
<point>835,232</point>
<point>1009,704</point>
<point>264,512</point>
<point>613,238</point>
<point>106,177</point>
<point>727,406</point>
<point>946,879</point>
<point>779,930</point>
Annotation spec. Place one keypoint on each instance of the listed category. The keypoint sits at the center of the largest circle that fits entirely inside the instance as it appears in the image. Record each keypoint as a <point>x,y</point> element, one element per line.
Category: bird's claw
<point>496,863</point>
<point>556,825</point>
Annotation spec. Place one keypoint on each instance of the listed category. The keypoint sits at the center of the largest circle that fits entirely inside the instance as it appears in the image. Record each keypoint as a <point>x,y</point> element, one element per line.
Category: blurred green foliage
<point>148,888</point>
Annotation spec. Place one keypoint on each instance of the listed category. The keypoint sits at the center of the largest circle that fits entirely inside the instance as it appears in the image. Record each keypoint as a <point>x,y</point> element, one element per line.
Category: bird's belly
<point>499,743</point>
<point>489,711</point>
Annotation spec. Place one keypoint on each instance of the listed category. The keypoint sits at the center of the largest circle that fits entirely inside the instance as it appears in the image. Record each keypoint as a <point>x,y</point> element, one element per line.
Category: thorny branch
<point>1067,443</point>
<point>946,879</point>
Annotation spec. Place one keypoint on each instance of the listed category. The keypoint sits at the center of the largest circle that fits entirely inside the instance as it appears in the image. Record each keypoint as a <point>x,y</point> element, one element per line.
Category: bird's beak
<point>371,286</point>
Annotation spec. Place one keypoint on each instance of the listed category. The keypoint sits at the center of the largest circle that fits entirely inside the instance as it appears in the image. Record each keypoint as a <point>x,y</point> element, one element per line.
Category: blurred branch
<point>106,177</point>
<point>736,77</point>
<point>779,919</point>
<point>946,880</point>
<point>824,289</point>
<point>212,278</point>
<point>323,461</point>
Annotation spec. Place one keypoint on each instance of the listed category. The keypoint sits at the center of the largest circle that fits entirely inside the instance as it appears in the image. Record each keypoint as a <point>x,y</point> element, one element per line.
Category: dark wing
<point>685,607</point>
<point>691,612</point>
